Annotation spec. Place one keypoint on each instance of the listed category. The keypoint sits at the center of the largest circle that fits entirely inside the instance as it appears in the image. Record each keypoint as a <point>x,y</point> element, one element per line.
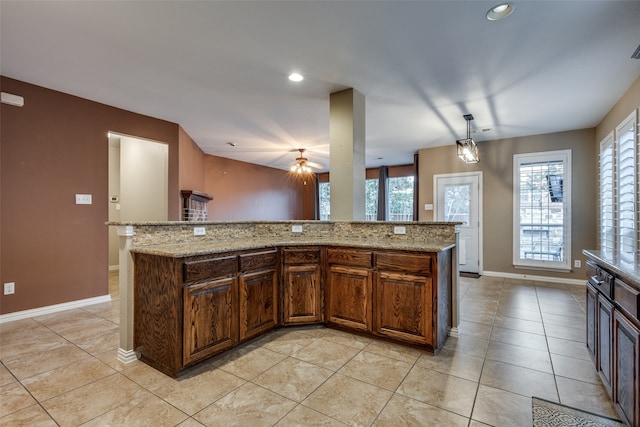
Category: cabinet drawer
<point>301,256</point>
<point>349,257</point>
<point>258,260</point>
<point>210,268</point>
<point>626,297</point>
<point>406,263</point>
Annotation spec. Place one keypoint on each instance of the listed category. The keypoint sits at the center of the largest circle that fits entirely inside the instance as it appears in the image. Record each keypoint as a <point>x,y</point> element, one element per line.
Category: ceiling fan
<point>303,165</point>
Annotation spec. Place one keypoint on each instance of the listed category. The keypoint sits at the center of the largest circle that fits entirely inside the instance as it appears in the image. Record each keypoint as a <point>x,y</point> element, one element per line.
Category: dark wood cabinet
<point>411,297</point>
<point>604,361</point>
<point>348,297</point>
<point>403,307</point>
<point>187,309</point>
<point>626,397</point>
<point>210,318</point>
<point>258,298</point>
<point>302,287</point>
<point>591,314</point>
<point>258,302</point>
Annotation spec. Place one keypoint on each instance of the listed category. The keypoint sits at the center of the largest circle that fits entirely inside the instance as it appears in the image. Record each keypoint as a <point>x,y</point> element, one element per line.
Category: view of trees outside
<point>456,203</point>
<point>541,215</point>
<point>400,199</point>
<point>325,200</point>
<point>371,199</point>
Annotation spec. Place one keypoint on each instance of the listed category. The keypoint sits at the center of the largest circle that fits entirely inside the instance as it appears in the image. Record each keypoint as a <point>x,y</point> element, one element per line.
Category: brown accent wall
<point>191,164</point>
<point>496,164</point>
<point>52,148</point>
<point>244,191</point>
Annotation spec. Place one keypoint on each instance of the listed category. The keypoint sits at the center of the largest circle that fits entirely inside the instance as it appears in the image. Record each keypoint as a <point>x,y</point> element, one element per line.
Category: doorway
<point>458,197</point>
<point>138,186</point>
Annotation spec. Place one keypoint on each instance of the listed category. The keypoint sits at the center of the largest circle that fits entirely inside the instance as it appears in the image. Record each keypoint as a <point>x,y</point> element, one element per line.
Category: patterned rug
<point>550,414</point>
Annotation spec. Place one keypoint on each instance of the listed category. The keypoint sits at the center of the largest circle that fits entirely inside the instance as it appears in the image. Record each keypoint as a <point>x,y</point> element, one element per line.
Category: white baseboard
<point>535,278</point>
<point>454,332</point>
<point>114,267</point>
<point>127,356</point>
<point>24,314</point>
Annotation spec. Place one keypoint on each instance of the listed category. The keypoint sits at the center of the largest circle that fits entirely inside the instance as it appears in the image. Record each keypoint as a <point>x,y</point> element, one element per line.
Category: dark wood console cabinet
<point>613,335</point>
<point>187,309</point>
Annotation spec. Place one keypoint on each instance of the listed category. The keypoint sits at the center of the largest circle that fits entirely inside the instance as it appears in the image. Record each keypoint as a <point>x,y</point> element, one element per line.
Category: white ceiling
<point>220,69</point>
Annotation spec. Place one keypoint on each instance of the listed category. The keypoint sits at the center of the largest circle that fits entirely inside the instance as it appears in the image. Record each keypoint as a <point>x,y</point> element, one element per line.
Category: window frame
<point>564,264</point>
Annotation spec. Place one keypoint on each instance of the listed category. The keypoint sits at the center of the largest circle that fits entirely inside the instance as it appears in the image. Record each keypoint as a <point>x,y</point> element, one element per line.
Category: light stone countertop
<point>628,269</point>
<point>182,250</point>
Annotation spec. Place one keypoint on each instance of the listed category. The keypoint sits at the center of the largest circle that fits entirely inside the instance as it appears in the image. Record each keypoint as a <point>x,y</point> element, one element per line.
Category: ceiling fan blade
<point>315,165</point>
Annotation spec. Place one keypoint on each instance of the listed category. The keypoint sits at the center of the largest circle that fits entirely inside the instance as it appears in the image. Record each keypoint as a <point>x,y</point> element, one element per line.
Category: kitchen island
<point>194,298</point>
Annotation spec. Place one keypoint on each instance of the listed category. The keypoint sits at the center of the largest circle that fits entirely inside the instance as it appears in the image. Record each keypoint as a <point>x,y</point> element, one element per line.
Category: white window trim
<point>565,156</point>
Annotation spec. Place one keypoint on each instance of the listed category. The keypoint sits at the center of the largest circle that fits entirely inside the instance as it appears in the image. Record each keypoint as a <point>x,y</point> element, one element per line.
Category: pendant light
<point>467,148</point>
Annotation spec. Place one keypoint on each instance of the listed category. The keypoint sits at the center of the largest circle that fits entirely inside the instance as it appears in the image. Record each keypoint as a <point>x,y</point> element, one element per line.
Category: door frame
<point>477,174</point>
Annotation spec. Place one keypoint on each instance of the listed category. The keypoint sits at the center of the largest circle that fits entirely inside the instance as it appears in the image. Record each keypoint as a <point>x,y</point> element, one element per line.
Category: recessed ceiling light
<point>296,77</point>
<point>499,12</point>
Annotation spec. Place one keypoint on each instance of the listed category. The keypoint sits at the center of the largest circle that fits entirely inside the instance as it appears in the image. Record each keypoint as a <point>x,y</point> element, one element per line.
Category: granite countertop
<point>627,268</point>
<point>181,250</point>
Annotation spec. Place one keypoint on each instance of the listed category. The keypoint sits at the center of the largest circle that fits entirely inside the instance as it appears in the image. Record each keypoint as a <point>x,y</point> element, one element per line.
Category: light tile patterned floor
<point>518,339</point>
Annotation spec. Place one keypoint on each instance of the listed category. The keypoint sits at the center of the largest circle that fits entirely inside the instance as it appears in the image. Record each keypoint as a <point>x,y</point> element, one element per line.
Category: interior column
<point>347,144</point>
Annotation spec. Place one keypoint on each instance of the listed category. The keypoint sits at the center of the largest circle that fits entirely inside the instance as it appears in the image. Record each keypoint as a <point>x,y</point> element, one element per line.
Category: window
<point>542,210</point>
<point>371,199</point>
<point>400,198</point>
<point>607,213</point>
<point>626,162</point>
<point>324,200</point>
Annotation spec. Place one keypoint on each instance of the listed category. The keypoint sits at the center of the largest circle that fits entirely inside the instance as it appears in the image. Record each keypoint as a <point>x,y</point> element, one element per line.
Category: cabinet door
<point>210,318</point>
<point>404,309</point>
<point>258,302</point>
<point>604,342</point>
<point>626,361</point>
<point>302,299</point>
<point>592,296</point>
<point>348,297</point>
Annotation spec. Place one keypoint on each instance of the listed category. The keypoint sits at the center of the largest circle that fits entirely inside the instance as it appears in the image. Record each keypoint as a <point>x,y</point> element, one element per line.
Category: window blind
<point>626,182</point>
<point>607,211</point>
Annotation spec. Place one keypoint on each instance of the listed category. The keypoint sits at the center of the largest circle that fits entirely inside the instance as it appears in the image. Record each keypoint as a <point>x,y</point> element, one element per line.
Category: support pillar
<point>347,155</point>
<point>126,352</point>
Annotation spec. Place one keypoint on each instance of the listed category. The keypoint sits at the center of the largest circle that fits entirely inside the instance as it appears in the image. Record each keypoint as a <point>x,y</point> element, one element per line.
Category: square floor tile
<point>519,338</point>
<point>327,354</point>
<point>293,378</point>
<point>517,379</point>
<point>348,400</point>
<point>378,370</point>
<point>148,410</point>
<point>441,390</point>
<point>500,408</point>
<point>247,361</point>
<point>520,356</point>
<point>249,405</point>
<point>454,363</point>
<point>403,411</point>
<point>577,369</point>
<point>586,396</point>
<point>303,416</point>
<point>31,416</point>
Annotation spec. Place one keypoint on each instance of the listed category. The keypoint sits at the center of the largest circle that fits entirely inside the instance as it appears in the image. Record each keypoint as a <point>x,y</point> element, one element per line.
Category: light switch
<point>428,206</point>
<point>83,199</point>
<point>296,229</point>
<point>199,231</point>
<point>399,229</point>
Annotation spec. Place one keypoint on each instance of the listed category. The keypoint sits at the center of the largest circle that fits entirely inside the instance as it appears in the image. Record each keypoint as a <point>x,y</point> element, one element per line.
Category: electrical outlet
<point>399,229</point>
<point>83,199</point>
<point>577,263</point>
<point>9,288</point>
<point>199,231</point>
<point>296,229</point>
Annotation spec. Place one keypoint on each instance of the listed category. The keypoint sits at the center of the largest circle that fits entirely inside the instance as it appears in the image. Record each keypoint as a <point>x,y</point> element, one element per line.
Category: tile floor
<point>518,339</point>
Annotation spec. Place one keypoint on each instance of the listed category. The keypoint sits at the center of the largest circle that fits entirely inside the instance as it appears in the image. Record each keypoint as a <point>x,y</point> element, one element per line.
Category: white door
<point>458,198</point>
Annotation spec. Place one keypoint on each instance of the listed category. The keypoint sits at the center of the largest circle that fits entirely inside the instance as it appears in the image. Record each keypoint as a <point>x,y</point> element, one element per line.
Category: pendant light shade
<point>467,148</point>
